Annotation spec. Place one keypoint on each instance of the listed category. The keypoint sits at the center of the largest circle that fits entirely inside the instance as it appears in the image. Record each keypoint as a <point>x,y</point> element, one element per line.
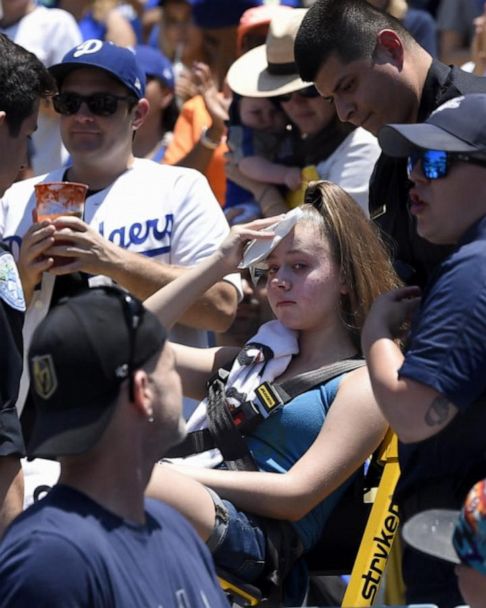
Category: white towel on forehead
<point>249,370</point>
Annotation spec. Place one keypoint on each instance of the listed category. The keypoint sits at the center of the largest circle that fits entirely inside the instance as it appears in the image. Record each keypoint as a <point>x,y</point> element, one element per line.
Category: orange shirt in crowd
<point>192,119</point>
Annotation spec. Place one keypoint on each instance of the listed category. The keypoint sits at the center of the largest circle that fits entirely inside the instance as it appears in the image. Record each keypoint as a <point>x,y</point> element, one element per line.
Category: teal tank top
<point>284,437</point>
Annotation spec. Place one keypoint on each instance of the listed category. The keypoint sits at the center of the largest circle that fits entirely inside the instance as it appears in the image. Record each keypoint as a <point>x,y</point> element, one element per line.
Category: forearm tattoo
<point>438,412</point>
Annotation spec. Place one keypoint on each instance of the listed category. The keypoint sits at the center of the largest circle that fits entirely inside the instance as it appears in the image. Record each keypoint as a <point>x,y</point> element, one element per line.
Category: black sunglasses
<point>133,311</point>
<point>100,104</point>
<point>309,92</point>
<point>435,164</point>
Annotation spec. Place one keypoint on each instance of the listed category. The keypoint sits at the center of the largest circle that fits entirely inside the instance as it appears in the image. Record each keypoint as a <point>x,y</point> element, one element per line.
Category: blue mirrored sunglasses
<point>435,163</point>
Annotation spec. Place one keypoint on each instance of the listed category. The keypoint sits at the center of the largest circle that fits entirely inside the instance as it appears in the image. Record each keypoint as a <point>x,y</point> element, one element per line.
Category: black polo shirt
<point>415,258</point>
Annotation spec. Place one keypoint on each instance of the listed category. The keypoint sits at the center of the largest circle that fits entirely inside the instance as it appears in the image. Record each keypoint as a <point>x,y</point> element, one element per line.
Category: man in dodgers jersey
<point>133,206</point>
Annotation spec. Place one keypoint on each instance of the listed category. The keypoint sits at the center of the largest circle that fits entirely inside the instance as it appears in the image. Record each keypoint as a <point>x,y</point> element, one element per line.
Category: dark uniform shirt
<point>447,352</point>
<point>415,258</point>
<point>12,307</point>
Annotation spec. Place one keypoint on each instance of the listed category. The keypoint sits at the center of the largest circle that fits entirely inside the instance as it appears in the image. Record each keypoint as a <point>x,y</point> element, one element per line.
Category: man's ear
<point>389,46</point>
<point>140,112</point>
<point>142,393</point>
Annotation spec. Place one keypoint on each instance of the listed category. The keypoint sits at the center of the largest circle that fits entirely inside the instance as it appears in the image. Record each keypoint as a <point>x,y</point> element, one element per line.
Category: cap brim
<point>70,431</point>
<point>431,532</point>
<point>400,140</point>
<point>258,250</point>
<point>249,76</point>
<point>61,70</point>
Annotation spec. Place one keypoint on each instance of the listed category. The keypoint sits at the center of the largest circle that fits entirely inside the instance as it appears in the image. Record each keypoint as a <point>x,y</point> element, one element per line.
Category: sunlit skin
<point>370,93</point>
<point>165,383</point>
<point>434,203</point>
<point>15,147</point>
<point>100,146</point>
<point>303,282</point>
<point>472,585</point>
<point>310,115</point>
<point>84,133</point>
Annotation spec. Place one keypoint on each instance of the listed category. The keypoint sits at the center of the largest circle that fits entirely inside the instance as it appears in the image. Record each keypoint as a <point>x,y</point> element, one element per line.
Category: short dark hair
<point>347,28</point>
<point>23,81</point>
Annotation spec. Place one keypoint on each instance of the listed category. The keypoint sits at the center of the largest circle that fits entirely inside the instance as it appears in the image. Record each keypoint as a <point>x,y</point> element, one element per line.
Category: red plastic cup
<point>53,199</point>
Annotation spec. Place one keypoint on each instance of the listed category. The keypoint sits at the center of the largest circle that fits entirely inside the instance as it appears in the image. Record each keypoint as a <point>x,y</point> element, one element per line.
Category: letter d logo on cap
<point>88,47</point>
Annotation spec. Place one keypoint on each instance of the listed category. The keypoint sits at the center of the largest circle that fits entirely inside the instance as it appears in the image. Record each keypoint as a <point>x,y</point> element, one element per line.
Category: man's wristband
<point>206,141</point>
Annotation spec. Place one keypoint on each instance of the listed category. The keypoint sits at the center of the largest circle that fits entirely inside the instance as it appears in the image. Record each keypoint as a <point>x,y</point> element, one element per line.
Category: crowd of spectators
<point>189,120</point>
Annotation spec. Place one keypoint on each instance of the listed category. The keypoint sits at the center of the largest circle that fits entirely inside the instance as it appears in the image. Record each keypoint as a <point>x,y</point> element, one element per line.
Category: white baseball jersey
<point>164,212</point>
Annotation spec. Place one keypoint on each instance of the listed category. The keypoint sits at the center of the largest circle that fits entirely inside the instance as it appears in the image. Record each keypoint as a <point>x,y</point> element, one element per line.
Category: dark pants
<point>429,580</point>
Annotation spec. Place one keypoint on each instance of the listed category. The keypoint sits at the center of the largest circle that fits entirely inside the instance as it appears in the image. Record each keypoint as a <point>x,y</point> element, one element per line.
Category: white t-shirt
<point>164,212</point>
<point>49,34</point>
<point>351,164</point>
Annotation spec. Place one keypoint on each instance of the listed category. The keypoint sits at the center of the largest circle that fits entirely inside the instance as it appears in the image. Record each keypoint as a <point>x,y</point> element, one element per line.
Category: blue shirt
<point>284,437</point>
<point>447,352</point>
<point>448,343</point>
<point>68,551</point>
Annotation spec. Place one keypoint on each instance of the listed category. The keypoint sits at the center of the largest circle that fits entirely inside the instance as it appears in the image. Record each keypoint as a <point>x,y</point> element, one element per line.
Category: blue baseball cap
<point>153,63</point>
<point>118,61</point>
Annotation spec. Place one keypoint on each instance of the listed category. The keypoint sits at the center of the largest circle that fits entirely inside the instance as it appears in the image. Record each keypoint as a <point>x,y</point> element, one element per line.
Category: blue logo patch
<point>10,285</point>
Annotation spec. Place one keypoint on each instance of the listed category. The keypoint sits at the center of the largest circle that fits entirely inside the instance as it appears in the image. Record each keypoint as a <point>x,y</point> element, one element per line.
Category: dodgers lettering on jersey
<point>151,237</point>
<point>146,238</point>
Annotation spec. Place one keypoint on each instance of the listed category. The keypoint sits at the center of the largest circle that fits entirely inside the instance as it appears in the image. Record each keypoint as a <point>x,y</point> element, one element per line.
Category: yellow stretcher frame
<point>379,534</point>
<point>376,542</point>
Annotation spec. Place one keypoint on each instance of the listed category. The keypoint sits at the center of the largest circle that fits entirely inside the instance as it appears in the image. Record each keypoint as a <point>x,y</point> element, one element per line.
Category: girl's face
<point>304,286</point>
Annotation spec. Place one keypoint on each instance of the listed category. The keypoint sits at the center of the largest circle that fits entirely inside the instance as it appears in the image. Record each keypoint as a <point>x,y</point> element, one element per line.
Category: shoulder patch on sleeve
<point>10,286</point>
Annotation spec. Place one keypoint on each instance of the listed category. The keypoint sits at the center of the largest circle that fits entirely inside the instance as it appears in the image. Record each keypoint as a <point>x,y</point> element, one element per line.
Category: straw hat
<point>270,69</point>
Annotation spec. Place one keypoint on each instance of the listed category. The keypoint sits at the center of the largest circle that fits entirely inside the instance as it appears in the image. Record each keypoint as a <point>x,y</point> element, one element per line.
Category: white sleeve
<point>351,164</point>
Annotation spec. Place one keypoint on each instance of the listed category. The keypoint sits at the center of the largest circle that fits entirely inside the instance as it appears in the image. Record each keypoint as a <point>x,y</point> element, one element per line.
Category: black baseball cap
<point>458,125</point>
<point>79,355</point>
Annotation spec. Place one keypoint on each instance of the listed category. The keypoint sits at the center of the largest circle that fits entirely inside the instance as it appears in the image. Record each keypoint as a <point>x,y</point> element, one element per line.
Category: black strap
<point>304,382</point>
<point>224,434</point>
<point>227,437</point>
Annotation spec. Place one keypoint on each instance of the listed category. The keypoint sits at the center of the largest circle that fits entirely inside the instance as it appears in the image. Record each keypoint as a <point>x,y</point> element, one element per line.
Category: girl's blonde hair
<point>356,247</point>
